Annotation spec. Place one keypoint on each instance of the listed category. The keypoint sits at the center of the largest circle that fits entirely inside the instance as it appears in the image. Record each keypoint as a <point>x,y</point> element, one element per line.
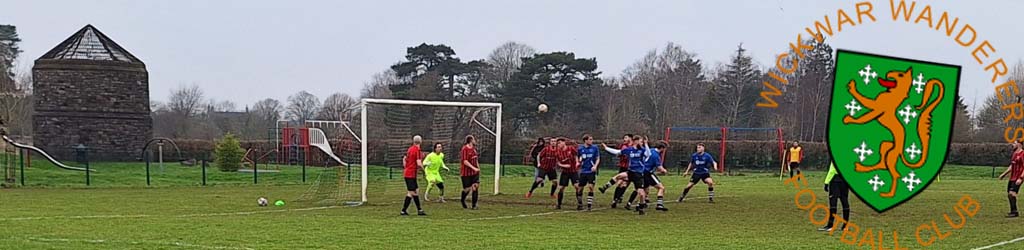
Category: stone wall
<point>103,105</point>
<point>108,138</point>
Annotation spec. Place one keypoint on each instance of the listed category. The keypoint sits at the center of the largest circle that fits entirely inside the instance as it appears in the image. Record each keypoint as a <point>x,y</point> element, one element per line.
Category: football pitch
<point>752,211</point>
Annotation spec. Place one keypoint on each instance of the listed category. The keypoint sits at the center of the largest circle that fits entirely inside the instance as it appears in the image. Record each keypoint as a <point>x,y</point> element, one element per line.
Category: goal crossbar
<point>363,130</point>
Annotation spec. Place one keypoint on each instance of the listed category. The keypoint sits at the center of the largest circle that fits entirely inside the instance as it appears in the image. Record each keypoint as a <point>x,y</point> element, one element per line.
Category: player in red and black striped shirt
<point>470,171</point>
<point>1016,171</point>
<point>548,164</point>
<point>413,161</point>
<point>567,161</point>
<point>619,180</point>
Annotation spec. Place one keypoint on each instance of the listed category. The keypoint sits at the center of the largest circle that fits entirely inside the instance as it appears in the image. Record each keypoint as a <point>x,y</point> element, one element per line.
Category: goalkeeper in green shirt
<point>432,165</point>
<point>838,190</point>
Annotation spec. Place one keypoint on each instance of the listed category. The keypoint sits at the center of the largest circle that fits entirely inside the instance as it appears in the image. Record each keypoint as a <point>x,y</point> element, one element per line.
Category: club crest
<point>890,124</point>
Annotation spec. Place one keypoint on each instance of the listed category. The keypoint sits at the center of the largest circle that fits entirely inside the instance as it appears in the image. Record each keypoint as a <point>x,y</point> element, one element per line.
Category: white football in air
<point>262,202</point>
<point>542,108</point>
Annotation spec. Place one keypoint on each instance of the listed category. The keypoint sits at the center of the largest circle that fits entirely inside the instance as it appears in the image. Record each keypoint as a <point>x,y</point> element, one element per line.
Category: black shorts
<point>411,184</point>
<point>568,178</point>
<point>838,189</point>
<point>699,177</point>
<point>651,180</point>
<point>588,179</point>
<point>468,181</point>
<point>794,165</point>
<point>637,179</point>
<point>623,170</point>
<point>1012,187</point>
<point>551,174</point>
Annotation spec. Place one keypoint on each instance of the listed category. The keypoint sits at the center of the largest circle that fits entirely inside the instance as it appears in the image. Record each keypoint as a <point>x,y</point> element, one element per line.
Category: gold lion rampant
<point>884,109</point>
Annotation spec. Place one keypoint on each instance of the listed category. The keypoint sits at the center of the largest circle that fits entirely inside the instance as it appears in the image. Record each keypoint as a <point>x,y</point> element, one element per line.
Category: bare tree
<point>224,106</point>
<point>505,61</point>
<point>507,58</point>
<point>16,104</point>
<point>186,101</point>
<point>303,106</point>
<point>263,115</point>
<point>660,78</point>
<point>268,110</point>
<point>992,119</point>
<point>378,87</point>
<point>336,106</point>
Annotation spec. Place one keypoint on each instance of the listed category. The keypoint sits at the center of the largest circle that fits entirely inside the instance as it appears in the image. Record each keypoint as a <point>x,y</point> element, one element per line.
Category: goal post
<point>364,138</point>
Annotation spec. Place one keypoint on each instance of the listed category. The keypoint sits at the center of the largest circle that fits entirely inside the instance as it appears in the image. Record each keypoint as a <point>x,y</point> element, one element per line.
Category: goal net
<point>377,133</point>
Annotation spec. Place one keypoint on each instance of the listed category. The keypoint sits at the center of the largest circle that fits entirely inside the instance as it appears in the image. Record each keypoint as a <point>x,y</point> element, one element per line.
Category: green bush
<point>228,154</point>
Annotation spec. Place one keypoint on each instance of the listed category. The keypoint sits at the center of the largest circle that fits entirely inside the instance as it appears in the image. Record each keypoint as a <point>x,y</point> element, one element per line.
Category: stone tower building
<point>88,90</point>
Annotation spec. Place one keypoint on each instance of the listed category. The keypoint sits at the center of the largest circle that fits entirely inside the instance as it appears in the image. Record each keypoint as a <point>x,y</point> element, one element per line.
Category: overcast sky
<point>244,51</point>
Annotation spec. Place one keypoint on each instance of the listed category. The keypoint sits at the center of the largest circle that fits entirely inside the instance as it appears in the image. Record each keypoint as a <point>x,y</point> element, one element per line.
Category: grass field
<point>752,211</point>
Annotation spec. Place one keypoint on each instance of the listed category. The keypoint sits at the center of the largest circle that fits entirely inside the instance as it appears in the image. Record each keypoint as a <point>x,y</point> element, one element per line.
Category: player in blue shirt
<point>652,165</point>
<point>636,156</point>
<point>700,163</point>
<point>590,158</point>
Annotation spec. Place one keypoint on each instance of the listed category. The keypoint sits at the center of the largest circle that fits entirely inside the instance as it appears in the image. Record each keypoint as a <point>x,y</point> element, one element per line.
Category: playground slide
<point>41,152</point>
<point>318,139</point>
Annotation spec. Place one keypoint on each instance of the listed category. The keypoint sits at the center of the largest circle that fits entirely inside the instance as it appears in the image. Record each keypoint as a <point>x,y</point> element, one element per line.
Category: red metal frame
<point>286,143</point>
<point>725,132</point>
<point>782,148</point>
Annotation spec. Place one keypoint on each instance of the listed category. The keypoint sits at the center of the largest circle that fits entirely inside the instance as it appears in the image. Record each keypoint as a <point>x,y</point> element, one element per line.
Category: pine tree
<point>963,124</point>
<point>734,92</point>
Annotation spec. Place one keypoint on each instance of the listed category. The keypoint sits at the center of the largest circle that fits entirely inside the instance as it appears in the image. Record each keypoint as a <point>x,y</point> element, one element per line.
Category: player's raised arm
<point>612,150</point>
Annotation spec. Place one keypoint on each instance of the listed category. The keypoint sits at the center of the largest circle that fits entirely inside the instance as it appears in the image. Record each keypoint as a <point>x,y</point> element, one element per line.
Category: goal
<point>386,128</point>
<point>735,148</point>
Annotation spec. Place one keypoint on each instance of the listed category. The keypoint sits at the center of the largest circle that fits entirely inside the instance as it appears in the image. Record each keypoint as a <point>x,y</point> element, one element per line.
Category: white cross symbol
<point>919,83</point>
<point>875,183</point>
<point>913,151</point>
<point>906,113</point>
<point>853,107</point>
<point>867,74</point>
<point>863,151</point>
<point>911,181</point>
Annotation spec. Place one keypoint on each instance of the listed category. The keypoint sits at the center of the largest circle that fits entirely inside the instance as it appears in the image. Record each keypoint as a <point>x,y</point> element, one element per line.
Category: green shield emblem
<point>890,124</point>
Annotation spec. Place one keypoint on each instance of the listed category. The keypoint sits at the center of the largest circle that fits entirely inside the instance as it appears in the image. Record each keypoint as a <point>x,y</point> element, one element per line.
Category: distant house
<point>231,121</point>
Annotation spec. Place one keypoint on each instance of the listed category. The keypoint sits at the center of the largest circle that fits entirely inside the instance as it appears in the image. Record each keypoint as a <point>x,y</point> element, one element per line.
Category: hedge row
<point>739,154</point>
